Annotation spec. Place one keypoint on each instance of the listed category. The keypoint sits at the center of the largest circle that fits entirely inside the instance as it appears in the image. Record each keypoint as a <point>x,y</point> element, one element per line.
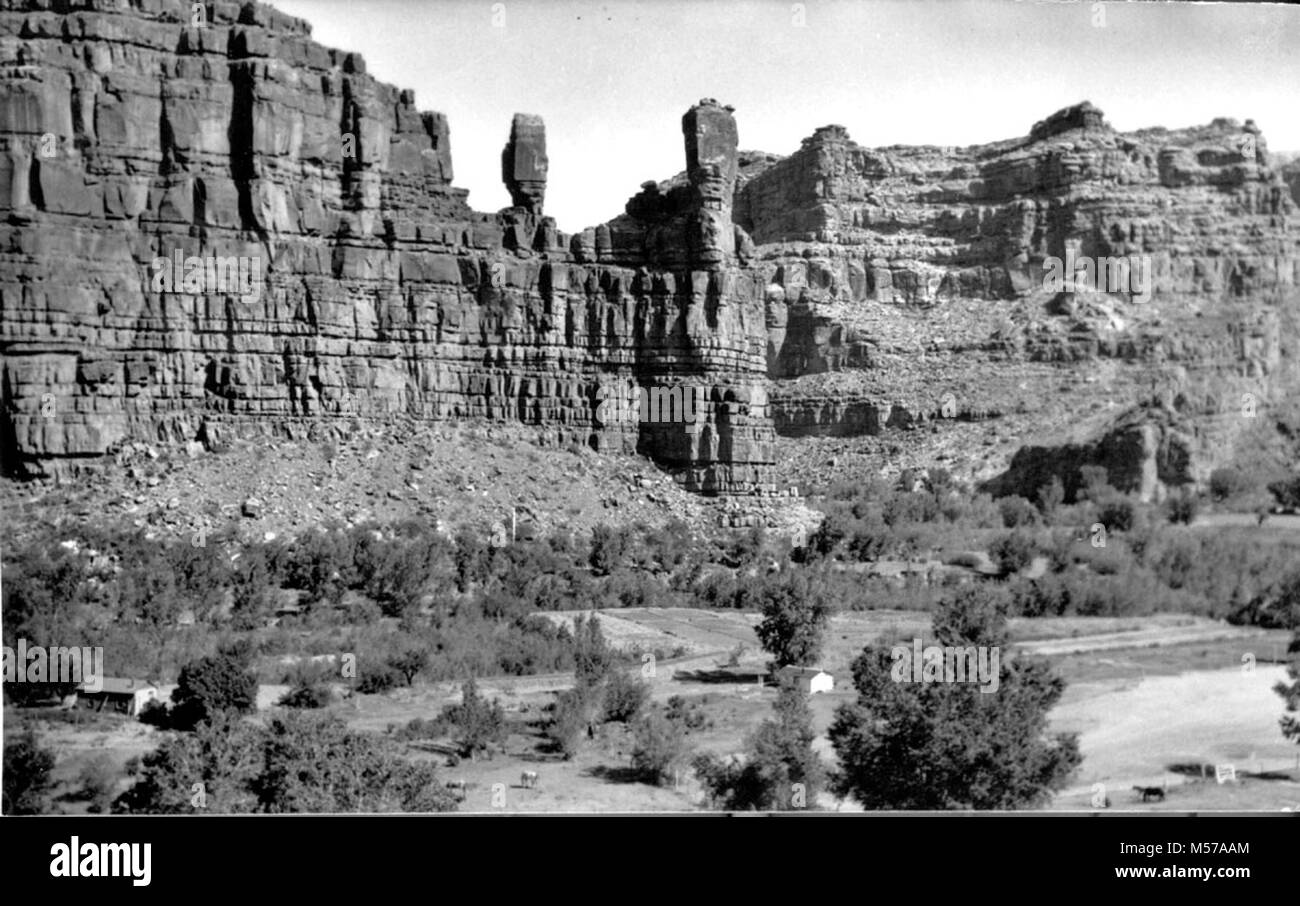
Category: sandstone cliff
<point>840,290</point>
<point>131,132</point>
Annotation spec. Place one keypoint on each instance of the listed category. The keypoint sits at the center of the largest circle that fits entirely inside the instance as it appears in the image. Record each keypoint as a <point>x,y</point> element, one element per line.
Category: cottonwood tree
<point>211,685</point>
<point>940,745</point>
<point>795,615</point>
<point>778,760</point>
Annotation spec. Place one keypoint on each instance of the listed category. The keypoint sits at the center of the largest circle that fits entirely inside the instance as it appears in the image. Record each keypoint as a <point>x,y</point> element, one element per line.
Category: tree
<point>316,764</point>
<point>409,663</point>
<point>1290,692</point>
<point>779,769</point>
<point>27,775</point>
<point>624,697</point>
<point>211,685</point>
<point>1050,497</point>
<point>572,717</point>
<point>592,657</point>
<point>609,545</point>
<point>949,745</point>
<point>480,723</point>
<point>795,615</point>
<point>300,762</point>
<point>658,748</point>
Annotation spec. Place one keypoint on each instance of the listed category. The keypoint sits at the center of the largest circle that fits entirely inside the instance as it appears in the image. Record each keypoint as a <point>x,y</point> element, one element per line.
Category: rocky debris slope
<point>141,143</point>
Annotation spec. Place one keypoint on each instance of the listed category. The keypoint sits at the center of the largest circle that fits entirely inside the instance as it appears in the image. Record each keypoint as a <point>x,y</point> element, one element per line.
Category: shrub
<point>1286,492</point>
<point>378,679</point>
<point>1228,482</point>
<point>659,748</point>
<point>1013,552</point>
<point>1117,513</point>
<point>27,775</point>
<point>1017,512</point>
<point>1050,497</point>
<point>97,782</point>
<point>624,697</point>
<point>306,695</point>
<point>479,724</point>
<point>1095,482</point>
<point>689,715</point>
<point>1182,507</point>
<point>572,716</point>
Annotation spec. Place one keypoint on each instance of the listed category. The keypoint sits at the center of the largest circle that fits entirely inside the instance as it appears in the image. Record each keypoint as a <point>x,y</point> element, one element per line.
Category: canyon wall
<point>840,290</point>
<point>912,274</point>
<point>133,132</point>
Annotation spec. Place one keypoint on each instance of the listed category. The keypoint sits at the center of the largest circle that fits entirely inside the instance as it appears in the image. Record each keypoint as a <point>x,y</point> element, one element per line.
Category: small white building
<point>118,694</point>
<point>806,679</point>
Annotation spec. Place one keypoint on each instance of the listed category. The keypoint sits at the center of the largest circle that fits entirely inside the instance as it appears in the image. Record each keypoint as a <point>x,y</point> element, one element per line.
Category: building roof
<point>119,685</point>
<point>792,670</point>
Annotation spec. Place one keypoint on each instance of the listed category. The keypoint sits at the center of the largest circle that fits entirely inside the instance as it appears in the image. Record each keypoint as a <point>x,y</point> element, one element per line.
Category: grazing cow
<point>457,788</point>
<point>529,779</point>
<point>1151,792</point>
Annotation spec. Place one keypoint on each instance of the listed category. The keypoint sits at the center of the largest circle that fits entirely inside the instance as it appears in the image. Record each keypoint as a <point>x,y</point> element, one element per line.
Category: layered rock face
<point>214,226</point>
<point>905,275</point>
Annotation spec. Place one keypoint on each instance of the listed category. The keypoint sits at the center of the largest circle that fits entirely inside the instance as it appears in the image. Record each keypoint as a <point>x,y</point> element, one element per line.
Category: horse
<point>1151,792</point>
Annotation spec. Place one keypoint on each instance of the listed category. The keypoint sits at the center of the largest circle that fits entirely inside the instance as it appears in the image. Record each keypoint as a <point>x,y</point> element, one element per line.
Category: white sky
<point>612,79</point>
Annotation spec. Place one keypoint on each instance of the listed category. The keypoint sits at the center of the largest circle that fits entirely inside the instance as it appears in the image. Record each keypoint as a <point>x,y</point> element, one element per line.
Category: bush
<point>1286,492</point>
<point>479,724</point>
<point>306,695</point>
<point>572,717</point>
<point>1228,482</point>
<point>659,748</point>
<point>1050,497</point>
<point>27,775</point>
<point>689,715</point>
<point>624,697</point>
<point>97,782</point>
<point>1017,512</point>
<point>378,679</point>
<point>1013,552</point>
<point>1118,514</point>
<point>1182,507</point>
